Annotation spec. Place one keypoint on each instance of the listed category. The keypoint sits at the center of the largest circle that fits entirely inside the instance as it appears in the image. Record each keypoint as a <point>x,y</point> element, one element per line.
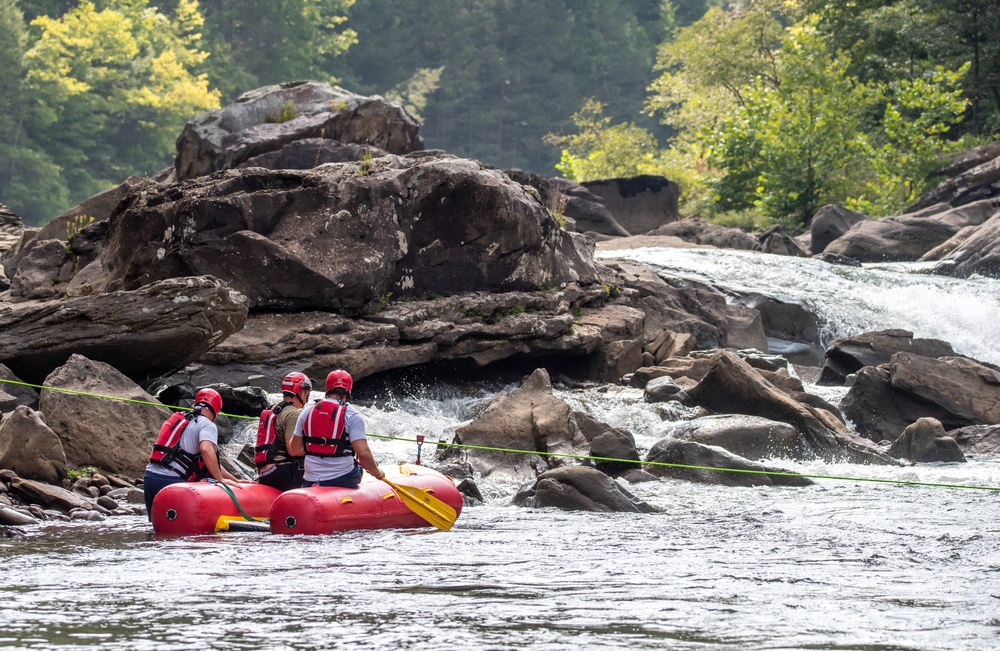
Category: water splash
<point>850,300</point>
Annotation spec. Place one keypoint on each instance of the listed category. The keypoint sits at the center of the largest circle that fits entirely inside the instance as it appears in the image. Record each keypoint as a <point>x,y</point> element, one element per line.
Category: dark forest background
<point>732,99</point>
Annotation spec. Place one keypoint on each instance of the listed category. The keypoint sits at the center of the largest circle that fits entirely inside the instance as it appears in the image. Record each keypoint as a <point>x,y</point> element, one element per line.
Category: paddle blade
<point>425,505</point>
<point>236,523</point>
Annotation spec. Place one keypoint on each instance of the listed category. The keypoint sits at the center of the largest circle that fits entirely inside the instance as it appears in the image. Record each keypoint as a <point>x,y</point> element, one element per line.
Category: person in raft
<point>331,434</point>
<point>186,448</point>
<point>276,466</point>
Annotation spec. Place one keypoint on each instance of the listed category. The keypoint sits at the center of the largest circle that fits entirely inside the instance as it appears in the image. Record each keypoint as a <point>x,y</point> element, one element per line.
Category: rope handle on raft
<point>232,496</point>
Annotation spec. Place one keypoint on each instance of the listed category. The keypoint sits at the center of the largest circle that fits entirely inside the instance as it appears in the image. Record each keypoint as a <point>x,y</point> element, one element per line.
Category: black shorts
<point>285,476</point>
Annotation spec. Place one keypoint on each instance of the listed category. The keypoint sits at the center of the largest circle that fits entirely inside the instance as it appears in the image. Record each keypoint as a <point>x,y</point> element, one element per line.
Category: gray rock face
<point>335,240</point>
<point>30,448</point>
<point>978,439</point>
<point>14,386</point>
<point>144,333</point>
<point>11,227</point>
<point>971,184</point>
<point>312,152</point>
<point>67,228</point>
<point>113,435</point>
<point>224,138</point>
<point>38,272</point>
<point>639,203</point>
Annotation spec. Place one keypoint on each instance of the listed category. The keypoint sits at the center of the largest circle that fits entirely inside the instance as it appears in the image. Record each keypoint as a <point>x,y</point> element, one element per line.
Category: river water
<point>841,565</point>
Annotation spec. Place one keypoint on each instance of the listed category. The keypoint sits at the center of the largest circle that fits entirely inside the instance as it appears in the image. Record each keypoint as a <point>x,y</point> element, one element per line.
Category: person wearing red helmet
<point>276,466</point>
<point>186,449</point>
<point>331,435</point>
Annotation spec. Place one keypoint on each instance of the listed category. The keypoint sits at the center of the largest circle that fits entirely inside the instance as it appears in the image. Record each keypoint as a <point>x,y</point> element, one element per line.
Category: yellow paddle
<point>426,506</point>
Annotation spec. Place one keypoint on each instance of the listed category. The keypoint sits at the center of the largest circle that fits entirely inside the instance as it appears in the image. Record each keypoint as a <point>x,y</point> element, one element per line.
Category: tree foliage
<point>259,42</point>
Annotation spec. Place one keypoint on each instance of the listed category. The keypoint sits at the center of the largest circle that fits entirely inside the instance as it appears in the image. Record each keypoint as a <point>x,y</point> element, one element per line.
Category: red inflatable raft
<point>372,505</point>
<point>193,508</point>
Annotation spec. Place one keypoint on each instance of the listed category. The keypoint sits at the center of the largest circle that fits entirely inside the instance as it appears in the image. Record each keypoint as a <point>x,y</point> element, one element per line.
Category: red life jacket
<point>167,450</point>
<point>266,448</point>
<point>323,432</point>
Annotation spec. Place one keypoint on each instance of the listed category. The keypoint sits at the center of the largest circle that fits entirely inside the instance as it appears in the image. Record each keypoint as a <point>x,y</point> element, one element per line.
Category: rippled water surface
<point>837,566</point>
<point>841,565</point>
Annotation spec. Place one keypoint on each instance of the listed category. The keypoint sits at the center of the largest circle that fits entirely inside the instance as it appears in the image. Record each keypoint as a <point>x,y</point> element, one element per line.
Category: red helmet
<point>295,382</point>
<point>209,397</point>
<point>339,380</point>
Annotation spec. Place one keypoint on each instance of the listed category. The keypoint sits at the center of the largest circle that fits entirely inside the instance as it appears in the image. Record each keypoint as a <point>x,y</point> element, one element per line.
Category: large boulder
<point>847,355</point>
<point>699,232</point>
<point>584,211</point>
<point>907,237</point>
<point>968,183</point>
<point>337,240</point>
<point>957,391</point>
<point>976,251</point>
<point>103,418</point>
<point>30,448</point>
<point>579,488</point>
<point>143,333</point>
<point>751,437</point>
<point>732,386</point>
<point>926,441</point>
<point>829,223</point>
<point>705,464</point>
<point>268,118</point>
<point>530,418</point>
<point>639,203</point>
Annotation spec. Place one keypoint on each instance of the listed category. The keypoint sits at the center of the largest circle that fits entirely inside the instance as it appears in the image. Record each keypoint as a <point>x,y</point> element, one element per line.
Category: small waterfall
<point>850,300</point>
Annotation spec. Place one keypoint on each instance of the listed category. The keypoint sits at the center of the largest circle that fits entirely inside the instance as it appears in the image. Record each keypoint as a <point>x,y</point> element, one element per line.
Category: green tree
<point>30,181</point>
<point>794,145</point>
<point>111,89</point>
<point>912,141</point>
<point>513,70</point>
<point>259,42</point>
<point>790,143</point>
<point>890,40</point>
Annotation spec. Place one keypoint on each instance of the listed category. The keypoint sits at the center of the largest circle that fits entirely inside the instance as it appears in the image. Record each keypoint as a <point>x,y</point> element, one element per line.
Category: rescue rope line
<point>115,398</point>
<point>232,496</point>
<point>544,454</point>
<point>691,467</point>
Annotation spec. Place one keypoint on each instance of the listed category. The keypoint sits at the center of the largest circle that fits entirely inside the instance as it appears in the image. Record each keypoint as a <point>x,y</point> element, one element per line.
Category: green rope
<point>547,454</point>
<point>116,398</point>
<point>232,496</point>
<point>689,467</point>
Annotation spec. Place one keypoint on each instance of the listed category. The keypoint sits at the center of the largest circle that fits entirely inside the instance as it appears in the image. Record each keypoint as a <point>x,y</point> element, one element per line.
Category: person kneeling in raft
<point>186,448</point>
<point>331,434</point>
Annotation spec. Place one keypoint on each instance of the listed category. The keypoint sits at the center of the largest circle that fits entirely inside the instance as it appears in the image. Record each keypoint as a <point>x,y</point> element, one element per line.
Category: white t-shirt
<point>198,430</point>
<point>322,468</point>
